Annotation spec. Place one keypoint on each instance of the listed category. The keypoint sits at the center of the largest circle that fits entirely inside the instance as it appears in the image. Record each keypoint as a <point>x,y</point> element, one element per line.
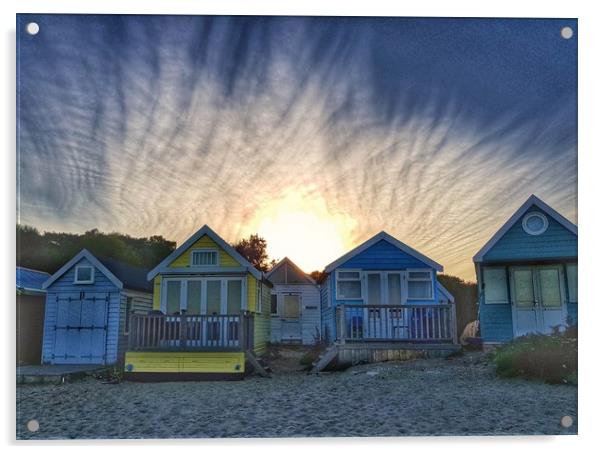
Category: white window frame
<point>410,279</point>
<point>223,292</point>
<point>535,214</point>
<point>215,251</point>
<point>89,281</point>
<point>484,289</point>
<point>384,285</point>
<point>360,279</point>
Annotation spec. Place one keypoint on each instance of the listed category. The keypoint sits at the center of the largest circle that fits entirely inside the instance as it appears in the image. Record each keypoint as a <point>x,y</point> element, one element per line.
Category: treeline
<point>465,294</point>
<point>49,251</point>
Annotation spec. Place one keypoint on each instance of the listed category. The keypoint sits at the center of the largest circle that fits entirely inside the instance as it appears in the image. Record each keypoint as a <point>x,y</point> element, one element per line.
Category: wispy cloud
<point>434,130</point>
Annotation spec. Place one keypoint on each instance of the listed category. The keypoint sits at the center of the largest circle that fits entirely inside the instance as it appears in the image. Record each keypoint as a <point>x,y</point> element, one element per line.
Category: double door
<point>538,298</point>
<point>385,288</point>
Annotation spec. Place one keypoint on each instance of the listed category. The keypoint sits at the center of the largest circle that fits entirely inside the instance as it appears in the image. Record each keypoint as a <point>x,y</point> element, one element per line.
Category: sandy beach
<point>459,396</point>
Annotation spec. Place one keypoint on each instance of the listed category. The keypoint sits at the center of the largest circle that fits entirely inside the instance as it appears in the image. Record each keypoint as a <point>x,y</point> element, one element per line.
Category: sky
<point>314,132</point>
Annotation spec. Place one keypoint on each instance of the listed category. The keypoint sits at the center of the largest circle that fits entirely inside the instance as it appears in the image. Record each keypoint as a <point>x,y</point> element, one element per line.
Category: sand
<point>459,396</point>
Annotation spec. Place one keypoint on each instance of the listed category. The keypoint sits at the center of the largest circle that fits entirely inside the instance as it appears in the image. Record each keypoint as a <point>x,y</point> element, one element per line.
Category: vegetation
<point>465,294</point>
<point>254,249</point>
<point>552,357</point>
<point>48,251</point>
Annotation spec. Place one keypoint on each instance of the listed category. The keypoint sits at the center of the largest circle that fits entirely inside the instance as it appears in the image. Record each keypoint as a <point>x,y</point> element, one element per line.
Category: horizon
<point>316,133</point>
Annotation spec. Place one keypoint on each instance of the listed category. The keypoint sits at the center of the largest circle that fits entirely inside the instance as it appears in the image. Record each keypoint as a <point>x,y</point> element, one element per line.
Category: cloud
<point>157,125</point>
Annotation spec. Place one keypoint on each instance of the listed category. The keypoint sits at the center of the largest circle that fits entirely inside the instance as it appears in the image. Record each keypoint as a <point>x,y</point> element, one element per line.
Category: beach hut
<point>295,305</point>
<point>527,274</point>
<point>210,318</point>
<point>89,301</point>
<point>384,291</point>
<point>31,299</point>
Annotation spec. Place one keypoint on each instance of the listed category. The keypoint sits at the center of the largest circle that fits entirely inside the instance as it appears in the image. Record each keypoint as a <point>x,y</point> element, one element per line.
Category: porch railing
<point>433,323</point>
<point>158,332</point>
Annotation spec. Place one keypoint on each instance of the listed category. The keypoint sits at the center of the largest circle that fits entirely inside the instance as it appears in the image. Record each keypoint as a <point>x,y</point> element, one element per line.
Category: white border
<point>535,214</point>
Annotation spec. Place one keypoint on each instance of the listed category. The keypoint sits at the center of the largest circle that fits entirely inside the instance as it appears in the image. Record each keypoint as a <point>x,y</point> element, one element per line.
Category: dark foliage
<point>49,251</point>
<point>318,276</point>
<point>465,294</point>
<point>254,249</point>
<point>552,357</point>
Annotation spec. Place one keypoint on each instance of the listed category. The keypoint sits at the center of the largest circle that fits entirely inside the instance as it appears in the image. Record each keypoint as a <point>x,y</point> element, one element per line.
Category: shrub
<point>551,357</point>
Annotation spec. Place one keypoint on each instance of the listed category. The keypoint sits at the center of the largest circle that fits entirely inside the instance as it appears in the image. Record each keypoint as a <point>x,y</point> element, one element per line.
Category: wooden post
<point>453,323</point>
<point>183,331</point>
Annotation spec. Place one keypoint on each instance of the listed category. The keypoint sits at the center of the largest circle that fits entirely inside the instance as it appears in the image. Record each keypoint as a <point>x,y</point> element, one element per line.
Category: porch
<point>396,324</point>
<point>191,333</point>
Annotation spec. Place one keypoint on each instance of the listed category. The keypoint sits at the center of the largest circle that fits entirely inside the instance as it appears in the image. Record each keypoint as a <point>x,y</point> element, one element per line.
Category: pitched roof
<point>120,274</point>
<point>132,277</point>
<point>205,230</point>
<point>531,201</point>
<point>390,239</point>
<point>29,280</point>
<point>287,261</point>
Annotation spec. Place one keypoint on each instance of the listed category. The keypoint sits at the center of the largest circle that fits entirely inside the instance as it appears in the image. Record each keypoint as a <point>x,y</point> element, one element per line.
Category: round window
<point>535,223</point>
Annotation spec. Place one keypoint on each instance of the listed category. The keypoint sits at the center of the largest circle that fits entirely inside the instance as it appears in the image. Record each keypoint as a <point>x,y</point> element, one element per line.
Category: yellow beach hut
<point>210,317</point>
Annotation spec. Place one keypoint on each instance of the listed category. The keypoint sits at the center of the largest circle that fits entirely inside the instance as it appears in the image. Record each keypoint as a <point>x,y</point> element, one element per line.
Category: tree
<point>465,294</point>
<point>254,249</point>
<point>318,276</point>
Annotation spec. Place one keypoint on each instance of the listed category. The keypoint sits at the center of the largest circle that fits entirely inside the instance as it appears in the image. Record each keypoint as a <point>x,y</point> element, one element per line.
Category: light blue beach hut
<point>527,274</point>
<point>88,304</point>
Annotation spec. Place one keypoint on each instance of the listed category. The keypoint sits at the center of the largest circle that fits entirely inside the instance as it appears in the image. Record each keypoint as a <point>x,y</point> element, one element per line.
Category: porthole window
<point>535,223</point>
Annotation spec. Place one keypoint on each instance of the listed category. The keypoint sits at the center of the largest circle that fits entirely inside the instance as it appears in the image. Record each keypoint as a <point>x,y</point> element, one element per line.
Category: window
<point>214,295</point>
<point>535,223</point>
<point>193,297</point>
<point>259,302</point>
<point>571,275</point>
<point>349,285</point>
<point>274,304</point>
<point>84,274</point>
<point>420,285</point>
<point>394,288</point>
<point>204,257</point>
<point>173,291</point>
<point>234,300</point>
<point>496,289</point>
<point>128,311</point>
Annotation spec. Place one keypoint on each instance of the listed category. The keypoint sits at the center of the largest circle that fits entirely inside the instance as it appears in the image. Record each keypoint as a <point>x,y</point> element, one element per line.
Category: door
<point>374,327</point>
<point>525,307</point>
<point>385,288</point>
<point>81,328</point>
<point>538,299</point>
<point>290,322</point>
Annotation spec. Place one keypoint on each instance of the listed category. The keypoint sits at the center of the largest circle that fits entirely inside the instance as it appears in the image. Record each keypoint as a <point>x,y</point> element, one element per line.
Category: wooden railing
<point>433,323</point>
<point>158,332</point>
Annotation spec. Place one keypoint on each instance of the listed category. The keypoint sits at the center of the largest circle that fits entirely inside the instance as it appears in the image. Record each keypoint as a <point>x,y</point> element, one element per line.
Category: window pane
<point>349,275</point>
<point>419,274</point>
<point>234,297</point>
<point>523,288</point>
<point>571,273</point>
<point>214,293</point>
<point>374,289</point>
<point>419,289</point>
<point>204,258</point>
<point>535,223</point>
<point>394,287</point>
<point>349,289</point>
<point>550,287</point>
<point>84,273</point>
<point>173,297</point>
<point>274,305</point>
<point>193,298</point>
<point>495,285</point>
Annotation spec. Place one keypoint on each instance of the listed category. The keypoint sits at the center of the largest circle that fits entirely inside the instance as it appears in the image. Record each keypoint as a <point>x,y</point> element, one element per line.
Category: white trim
<point>206,249</point>
<point>409,279</point>
<point>84,253</point>
<point>205,230</point>
<point>535,214</point>
<point>88,281</point>
<point>360,279</point>
<point>375,239</point>
<point>532,200</point>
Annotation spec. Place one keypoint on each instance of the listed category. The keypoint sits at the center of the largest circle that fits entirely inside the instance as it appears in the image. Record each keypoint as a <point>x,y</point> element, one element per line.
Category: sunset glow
<point>304,230</point>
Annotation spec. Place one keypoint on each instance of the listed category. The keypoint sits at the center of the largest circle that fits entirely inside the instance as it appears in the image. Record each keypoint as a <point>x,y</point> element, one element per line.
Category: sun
<point>302,228</point>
